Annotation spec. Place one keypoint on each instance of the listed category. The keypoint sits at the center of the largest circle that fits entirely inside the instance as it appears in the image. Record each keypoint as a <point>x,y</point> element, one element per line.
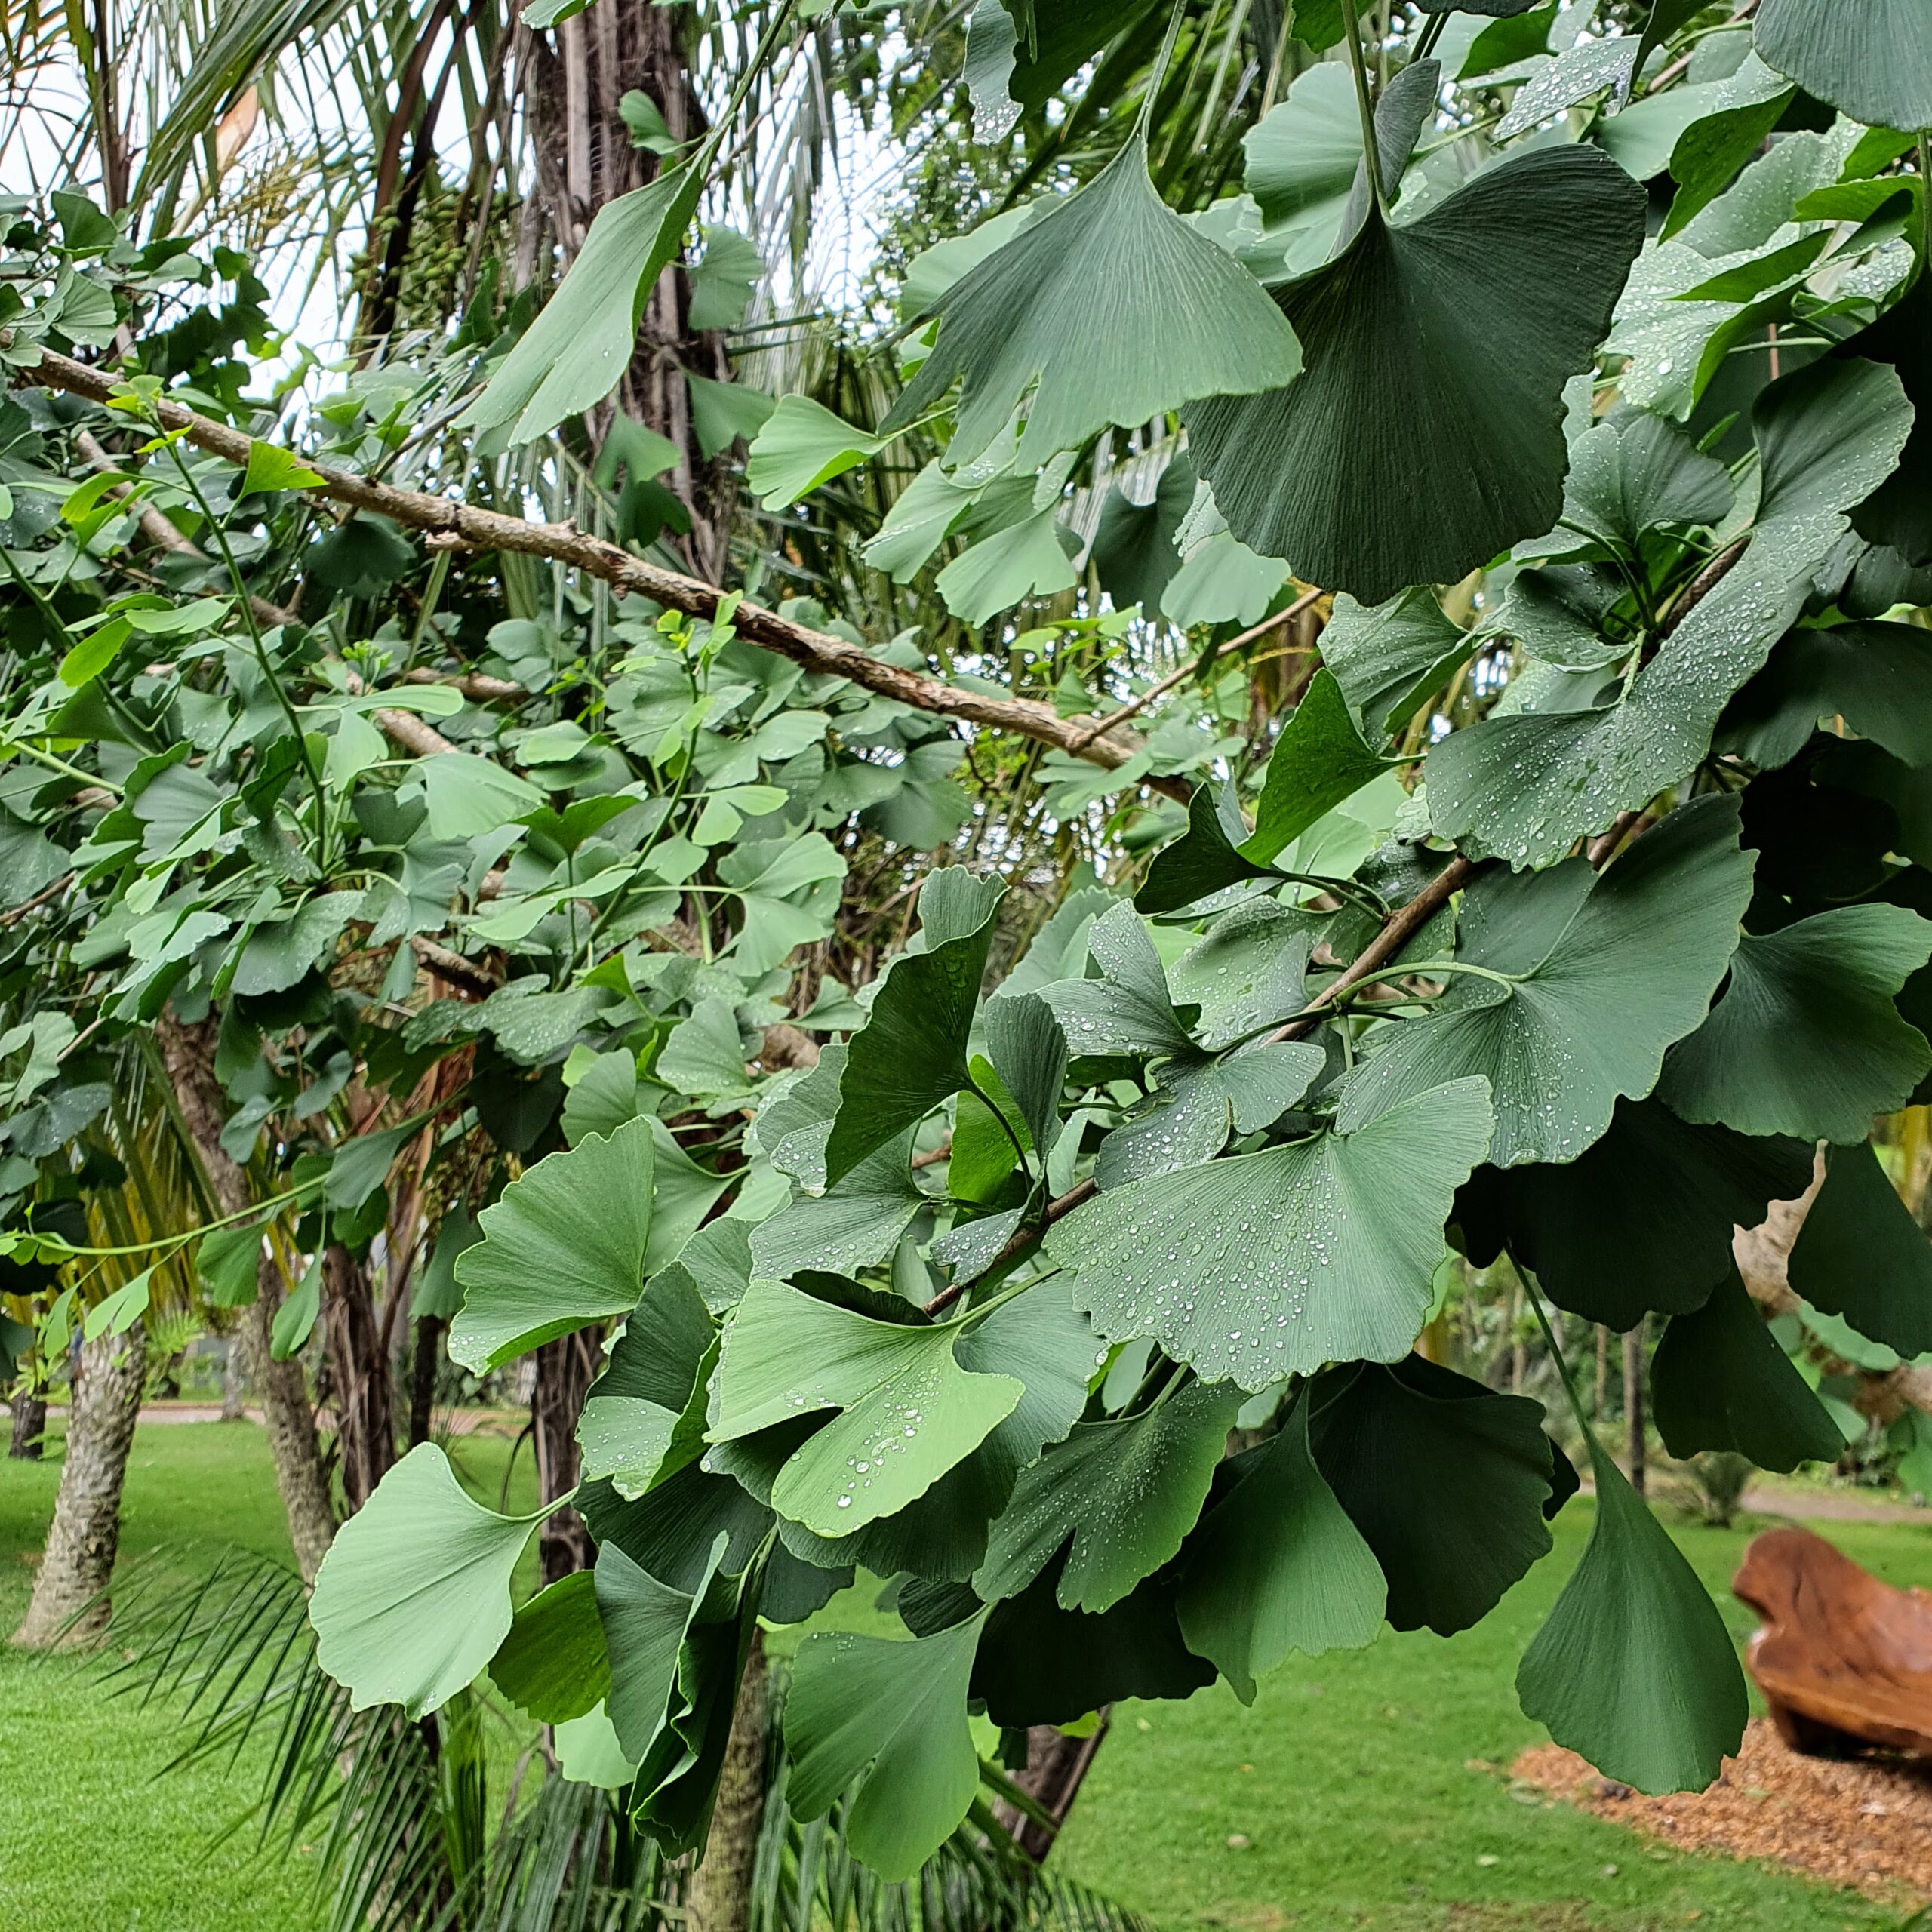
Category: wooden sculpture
<point>1845,1661</point>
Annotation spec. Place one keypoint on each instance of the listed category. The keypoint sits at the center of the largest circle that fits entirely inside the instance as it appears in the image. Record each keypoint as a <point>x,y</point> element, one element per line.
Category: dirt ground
<point>1866,1823</point>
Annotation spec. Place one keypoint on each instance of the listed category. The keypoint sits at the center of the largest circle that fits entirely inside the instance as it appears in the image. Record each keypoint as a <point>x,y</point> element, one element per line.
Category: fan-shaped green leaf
<point>1118,1496</point>
<point>1597,975</point>
<point>898,1710</point>
<point>576,351</point>
<point>1634,1669</point>
<point>1340,473</point>
<point>1806,1040</point>
<point>1389,657</point>
<point>1640,472</point>
<point>644,1418</point>
<point>1641,1221</point>
<point>1271,1264</point>
<point>1128,1009</point>
<point>1873,59</point>
<point>848,1227</point>
<point>1719,1380</point>
<point>413,1598</point>
<point>1276,1566</point>
<point>1861,1255</point>
<point>1109,309</point>
<point>564,1247</point>
<point>553,1666</point>
<point>1449,1482</point>
<point>800,445</point>
<point>907,1410</point>
<point>910,1053</point>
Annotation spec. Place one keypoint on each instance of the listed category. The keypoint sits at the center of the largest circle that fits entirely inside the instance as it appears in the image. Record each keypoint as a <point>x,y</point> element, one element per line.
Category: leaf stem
<point>1562,1365</point>
<point>986,1100</point>
<point>1371,155</point>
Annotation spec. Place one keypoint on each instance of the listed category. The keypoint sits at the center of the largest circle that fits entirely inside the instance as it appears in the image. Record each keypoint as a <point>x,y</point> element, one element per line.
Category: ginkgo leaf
<point>1807,1039</point>
<point>644,1418</point>
<point>413,1598</point>
<point>848,1227</point>
<point>1387,658</point>
<point>1197,1107</point>
<point>576,351</point>
<point>1033,557</point>
<point>1634,1669</point>
<point>861,1704</point>
<point>1302,159</point>
<point>553,1666</point>
<point>1109,309</point>
<point>564,1247</point>
<point>800,445</point>
<point>1525,787</point>
<point>1449,1483</point>
<point>1319,760</point>
<point>1118,1496</point>
<point>1873,59</point>
<point>910,1053</point>
<point>1637,473</point>
<point>1877,677</point>
<point>907,1410</point>
<point>1128,1009</point>
<point>1594,976</point>
<point>1719,1380</point>
<point>1861,1255</point>
<point>1641,1221</point>
<point>1276,1565</point>
<point>1271,1264</point>
<point>1338,473</point>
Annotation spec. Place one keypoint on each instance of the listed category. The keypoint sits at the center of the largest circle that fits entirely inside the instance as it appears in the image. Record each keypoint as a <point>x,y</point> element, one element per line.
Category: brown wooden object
<point>1845,1661</point>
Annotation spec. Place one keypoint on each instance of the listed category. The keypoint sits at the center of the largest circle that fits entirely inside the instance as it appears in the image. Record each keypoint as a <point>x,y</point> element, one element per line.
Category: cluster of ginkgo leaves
<point>1637,326</point>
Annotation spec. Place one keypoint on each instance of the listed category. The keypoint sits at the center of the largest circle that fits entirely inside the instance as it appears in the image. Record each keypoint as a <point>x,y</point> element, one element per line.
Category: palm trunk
<point>1633,1402</point>
<point>69,1602</point>
<point>1056,1767</point>
<point>189,1054</point>
<point>720,1896</point>
<point>565,1369</point>
<point>422,1377</point>
<point>358,1371</point>
<point>234,1389</point>
<point>28,1442</point>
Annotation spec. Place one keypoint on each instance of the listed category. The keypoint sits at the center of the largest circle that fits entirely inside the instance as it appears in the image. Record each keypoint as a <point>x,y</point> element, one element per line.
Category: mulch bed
<point>1866,1823</point>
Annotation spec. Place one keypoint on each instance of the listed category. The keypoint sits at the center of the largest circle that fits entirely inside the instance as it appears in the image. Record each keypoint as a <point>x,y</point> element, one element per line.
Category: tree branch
<point>452,525</point>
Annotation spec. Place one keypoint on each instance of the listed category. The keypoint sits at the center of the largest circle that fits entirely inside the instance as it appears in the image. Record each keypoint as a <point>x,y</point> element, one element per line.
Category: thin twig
<point>1134,706</point>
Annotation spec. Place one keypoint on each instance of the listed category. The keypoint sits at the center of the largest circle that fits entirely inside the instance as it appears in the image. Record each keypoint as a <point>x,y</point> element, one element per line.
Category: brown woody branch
<point>449,524</point>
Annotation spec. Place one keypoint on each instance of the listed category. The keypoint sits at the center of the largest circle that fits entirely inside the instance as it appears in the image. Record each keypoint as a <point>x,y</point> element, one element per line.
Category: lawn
<point>1369,1789</point>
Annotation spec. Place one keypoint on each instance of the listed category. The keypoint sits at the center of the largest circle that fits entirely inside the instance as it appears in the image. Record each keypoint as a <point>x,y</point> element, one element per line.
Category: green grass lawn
<point>1350,1778</point>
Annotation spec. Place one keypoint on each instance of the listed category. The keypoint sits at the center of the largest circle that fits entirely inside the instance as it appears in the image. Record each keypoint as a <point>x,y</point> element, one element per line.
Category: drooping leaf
<point>1318,761</point>
<point>1598,974</point>
<point>1128,1009</point>
<point>861,1704</point>
<point>1861,1255</point>
<point>1118,1495</point>
<point>1389,658</point>
<point>553,1666</point>
<point>1878,678</point>
<point>1276,1565</point>
<point>910,1053</point>
<point>1634,1669</point>
<point>907,1409</point>
<point>644,1418</point>
<point>802,445</point>
<point>576,351</point>
<point>413,1598</point>
<point>1271,1264</point>
<point>1030,1059</point>
<point>645,1622</point>
<point>1719,1380</point>
<point>1873,60</point>
<point>1638,473</point>
<point>1807,1039</point>
<point>1527,787</point>
<point>564,1247</point>
<point>1338,473</point>
<point>1109,309</point>
<point>1449,1483</point>
<point>1641,1221</point>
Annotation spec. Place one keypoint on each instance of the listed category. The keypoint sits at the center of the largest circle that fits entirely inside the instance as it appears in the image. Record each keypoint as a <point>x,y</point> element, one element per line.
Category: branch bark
<point>449,524</point>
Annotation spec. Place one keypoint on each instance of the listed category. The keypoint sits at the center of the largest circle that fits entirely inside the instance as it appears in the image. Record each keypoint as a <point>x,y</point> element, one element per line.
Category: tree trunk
<point>720,1896</point>
<point>189,1054</point>
<point>78,1560</point>
<point>422,1377</point>
<point>358,1371</point>
<point>28,1442</point>
<point>565,1369</point>
<point>234,1385</point>
<point>1056,1766</point>
<point>1633,1401</point>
